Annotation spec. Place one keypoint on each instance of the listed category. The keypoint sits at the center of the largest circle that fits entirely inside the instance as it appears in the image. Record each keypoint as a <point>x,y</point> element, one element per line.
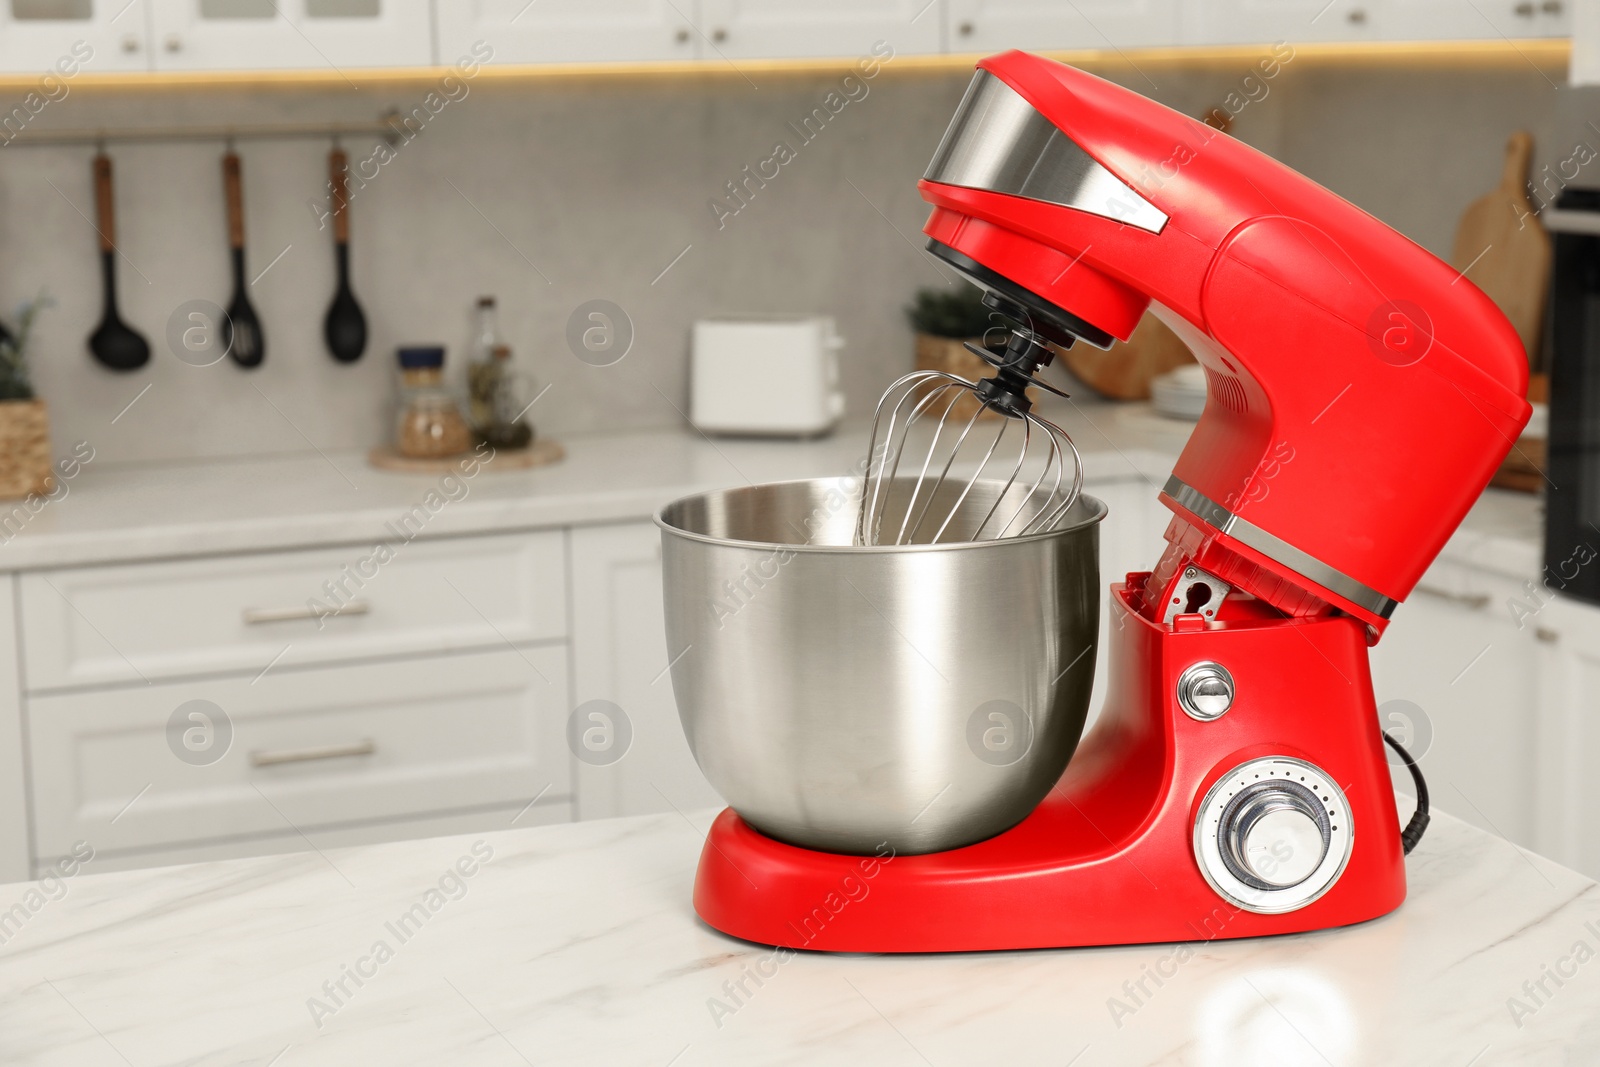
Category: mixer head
<point>952,453</point>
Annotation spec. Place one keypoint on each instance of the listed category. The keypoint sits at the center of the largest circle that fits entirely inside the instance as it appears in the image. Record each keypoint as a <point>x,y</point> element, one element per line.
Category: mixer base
<point>1108,856</point>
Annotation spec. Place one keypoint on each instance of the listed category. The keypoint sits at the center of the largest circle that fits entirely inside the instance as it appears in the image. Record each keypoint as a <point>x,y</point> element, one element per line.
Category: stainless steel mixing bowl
<point>841,697</point>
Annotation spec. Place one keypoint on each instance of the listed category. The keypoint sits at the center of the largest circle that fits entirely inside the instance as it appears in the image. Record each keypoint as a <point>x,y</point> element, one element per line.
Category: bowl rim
<point>1099,510</point>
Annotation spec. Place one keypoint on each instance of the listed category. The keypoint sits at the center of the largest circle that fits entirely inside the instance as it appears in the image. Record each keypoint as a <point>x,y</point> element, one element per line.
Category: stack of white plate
<point>1180,393</point>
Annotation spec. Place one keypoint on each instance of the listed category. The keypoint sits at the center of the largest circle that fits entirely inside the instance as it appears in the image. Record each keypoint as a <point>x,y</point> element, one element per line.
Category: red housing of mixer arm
<point>1361,392</point>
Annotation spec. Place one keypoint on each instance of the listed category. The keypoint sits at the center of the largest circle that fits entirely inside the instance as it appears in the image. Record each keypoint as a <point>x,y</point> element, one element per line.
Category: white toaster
<point>772,376</point>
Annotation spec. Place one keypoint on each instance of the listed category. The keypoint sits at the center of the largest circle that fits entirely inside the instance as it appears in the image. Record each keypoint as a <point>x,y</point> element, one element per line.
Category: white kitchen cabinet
<point>569,31</point>
<point>1044,25</point>
<point>210,759</point>
<point>1454,650</point>
<point>620,656</point>
<point>289,34</point>
<point>13,775</point>
<point>1421,20</point>
<point>1568,799</point>
<point>774,29</point>
<point>1264,22</point>
<point>145,621</point>
<point>87,36</point>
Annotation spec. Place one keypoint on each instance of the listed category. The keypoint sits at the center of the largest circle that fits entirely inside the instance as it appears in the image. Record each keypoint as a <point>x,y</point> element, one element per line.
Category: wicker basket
<point>951,356</point>
<point>24,448</point>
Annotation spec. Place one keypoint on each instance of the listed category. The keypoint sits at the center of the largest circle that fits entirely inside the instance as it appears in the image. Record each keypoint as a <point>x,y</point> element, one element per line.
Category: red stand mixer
<point>1360,395</point>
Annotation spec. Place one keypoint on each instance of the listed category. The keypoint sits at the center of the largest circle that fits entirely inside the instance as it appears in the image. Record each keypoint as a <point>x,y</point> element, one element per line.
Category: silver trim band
<point>1277,549</point>
<point>998,142</point>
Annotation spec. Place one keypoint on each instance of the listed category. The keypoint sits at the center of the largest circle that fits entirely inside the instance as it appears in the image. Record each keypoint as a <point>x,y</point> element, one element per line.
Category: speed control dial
<point>1273,834</point>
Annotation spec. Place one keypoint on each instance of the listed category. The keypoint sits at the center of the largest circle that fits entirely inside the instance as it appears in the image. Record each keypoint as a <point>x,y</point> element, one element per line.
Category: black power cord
<point>1419,819</point>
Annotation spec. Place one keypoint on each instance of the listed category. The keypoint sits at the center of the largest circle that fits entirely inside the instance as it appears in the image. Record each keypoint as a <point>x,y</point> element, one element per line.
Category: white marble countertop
<point>576,944</point>
<point>113,513</point>
<point>1503,533</point>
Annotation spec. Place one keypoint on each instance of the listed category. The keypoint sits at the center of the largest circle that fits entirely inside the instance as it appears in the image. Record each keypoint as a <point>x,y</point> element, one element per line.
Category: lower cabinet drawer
<point>151,622</point>
<point>294,750</point>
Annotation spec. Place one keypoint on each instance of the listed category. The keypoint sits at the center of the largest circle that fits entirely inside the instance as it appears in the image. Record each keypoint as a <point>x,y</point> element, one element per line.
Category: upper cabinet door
<point>279,34</point>
<point>1423,20</point>
<point>68,37</point>
<point>1048,25</point>
<point>794,29</point>
<point>1262,22</point>
<point>569,31</point>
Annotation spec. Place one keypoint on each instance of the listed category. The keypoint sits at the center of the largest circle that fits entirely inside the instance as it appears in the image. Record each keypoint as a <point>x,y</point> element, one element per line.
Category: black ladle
<point>113,343</point>
<point>345,328</point>
<point>241,330</point>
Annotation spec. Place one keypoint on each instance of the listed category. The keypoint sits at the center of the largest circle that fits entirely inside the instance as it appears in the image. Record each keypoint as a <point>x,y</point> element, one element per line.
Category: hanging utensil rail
<point>387,129</point>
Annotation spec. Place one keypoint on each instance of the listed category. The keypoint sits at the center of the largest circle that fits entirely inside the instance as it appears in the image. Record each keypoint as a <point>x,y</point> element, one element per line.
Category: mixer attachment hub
<point>1006,391</point>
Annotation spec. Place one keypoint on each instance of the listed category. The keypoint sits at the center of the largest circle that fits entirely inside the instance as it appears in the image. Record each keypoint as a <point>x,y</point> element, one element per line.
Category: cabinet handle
<point>1551,7</point>
<point>719,35</point>
<point>1524,9</point>
<point>277,757</point>
<point>1475,601</point>
<point>173,43</point>
<point>1357,16</point>
<point>682,36</point>
<point>257,616</point>
<point>130,43</point>
<point>1547,635</point>
<point>966,29</point>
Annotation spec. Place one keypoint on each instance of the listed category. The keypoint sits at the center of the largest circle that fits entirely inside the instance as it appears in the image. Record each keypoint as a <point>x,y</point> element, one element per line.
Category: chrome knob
<point>1276,836</point>
<point>173,43</point>
<point>130,43</point>
<point>1205,691</point>
<point>1273,834</point>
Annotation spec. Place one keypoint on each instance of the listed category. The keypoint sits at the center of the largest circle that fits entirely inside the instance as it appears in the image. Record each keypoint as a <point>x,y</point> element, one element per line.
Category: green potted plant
<point>24,419</point>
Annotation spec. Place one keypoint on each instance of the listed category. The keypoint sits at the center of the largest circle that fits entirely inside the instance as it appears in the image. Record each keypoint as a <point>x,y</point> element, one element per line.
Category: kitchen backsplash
<point>552,194</point>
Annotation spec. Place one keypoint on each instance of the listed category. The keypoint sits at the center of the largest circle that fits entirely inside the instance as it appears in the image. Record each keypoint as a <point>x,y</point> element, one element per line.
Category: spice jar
<point>429,424</point>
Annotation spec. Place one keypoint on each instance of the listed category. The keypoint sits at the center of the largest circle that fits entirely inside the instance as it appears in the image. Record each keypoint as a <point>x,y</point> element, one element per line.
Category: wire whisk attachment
<point>967,478</point>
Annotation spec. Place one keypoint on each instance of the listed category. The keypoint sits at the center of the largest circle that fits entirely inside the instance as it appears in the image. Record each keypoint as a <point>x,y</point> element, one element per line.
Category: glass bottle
<point>481,368</point>
<point>507,428</point>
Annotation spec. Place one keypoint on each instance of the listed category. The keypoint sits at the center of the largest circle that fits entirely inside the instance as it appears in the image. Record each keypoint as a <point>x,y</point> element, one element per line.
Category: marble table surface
<point>576,944</point>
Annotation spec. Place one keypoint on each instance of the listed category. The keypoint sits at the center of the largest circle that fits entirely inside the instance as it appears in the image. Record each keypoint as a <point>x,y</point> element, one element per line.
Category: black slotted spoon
<point>241,330</point>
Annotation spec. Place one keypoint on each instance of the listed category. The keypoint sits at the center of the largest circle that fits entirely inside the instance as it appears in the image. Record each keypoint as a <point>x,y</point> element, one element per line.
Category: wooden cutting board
<point>1503,250</point>
<point>543,451</point>
<point>1125,370</point>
